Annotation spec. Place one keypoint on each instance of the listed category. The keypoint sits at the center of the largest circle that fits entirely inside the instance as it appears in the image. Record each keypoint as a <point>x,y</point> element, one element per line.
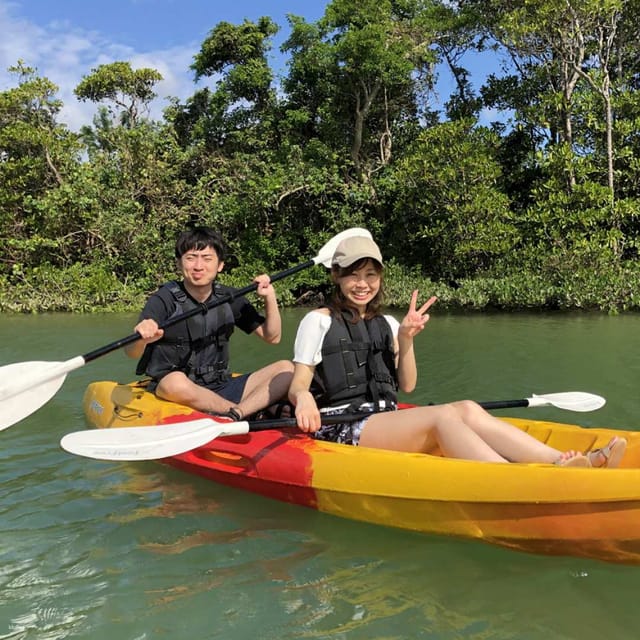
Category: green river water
<point>139,551</point>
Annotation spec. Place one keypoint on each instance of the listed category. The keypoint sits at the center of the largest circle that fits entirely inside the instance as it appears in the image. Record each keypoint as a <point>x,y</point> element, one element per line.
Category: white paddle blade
<point>20,376</point>
<point>570,400</point>
<point>148,443</point>
<point>326,253</point>
<point>23,404</point>
<point>27,386</point>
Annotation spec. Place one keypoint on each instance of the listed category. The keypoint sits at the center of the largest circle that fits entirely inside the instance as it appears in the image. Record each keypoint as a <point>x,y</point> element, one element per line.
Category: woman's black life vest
<point>199,346</point>
<point>358,364</point>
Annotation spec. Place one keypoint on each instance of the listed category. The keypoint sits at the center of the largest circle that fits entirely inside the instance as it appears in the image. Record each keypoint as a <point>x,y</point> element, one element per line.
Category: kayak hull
<point>536,508</point>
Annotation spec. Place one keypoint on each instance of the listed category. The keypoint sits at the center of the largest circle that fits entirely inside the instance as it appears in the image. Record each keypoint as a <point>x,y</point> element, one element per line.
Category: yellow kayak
<point>538,508</point>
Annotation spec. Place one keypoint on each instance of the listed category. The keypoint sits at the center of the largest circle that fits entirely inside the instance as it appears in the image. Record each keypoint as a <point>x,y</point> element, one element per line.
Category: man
<point>188,362</point>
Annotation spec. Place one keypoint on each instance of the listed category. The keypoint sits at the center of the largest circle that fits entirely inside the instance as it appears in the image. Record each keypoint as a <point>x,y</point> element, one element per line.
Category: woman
<point>349,357</point>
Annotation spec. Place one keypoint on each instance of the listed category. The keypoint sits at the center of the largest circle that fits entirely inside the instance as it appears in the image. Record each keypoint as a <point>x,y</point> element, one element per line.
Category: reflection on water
<point>139,551</point>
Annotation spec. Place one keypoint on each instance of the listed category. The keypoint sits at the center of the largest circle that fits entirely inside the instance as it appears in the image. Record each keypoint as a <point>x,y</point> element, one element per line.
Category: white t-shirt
<point>311,332</point>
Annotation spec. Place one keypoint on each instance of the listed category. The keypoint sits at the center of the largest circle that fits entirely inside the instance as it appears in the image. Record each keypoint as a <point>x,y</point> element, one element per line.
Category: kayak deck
<point>537,508</point>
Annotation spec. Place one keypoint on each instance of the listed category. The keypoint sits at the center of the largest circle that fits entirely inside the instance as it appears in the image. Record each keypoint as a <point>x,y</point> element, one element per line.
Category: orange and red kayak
<point>538,508</point>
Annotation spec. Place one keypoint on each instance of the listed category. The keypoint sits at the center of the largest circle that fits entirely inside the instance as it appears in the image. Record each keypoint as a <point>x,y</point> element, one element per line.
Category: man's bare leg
<point>263,388</point>
<point>266,386</point>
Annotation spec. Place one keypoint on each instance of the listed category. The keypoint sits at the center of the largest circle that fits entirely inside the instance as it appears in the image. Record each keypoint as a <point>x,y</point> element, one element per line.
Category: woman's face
<point>359,286</point>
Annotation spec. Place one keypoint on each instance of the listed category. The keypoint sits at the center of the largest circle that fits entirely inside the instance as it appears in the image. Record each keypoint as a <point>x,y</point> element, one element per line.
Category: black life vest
<point>198,346</point>
<point>358,364</point>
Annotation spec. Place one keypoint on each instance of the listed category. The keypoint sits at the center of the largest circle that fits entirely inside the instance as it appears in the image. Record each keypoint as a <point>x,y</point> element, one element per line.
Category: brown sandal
<point>276,411</point>
<point>612,454</point>
<point>234,413</point>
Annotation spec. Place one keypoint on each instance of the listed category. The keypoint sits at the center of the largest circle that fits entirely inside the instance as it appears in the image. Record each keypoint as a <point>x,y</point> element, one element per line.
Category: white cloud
<point>173,64</point>
<point>65,54</point>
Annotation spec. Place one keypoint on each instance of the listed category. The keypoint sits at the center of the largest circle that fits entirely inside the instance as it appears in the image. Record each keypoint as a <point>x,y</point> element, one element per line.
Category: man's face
<point>200,267</point>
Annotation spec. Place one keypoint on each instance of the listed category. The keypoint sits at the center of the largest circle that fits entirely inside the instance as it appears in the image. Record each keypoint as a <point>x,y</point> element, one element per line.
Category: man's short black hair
<point>200,238</point>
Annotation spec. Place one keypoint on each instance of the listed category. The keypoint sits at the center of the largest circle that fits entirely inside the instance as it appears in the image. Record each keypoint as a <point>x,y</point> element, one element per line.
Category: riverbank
<point>92,290</point>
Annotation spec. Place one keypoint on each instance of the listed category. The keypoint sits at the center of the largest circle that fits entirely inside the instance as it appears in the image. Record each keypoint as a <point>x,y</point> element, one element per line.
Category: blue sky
<point>65,39</point>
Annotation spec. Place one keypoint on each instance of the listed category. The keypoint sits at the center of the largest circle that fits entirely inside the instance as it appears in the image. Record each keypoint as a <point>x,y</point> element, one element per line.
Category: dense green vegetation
<point>540,211</point>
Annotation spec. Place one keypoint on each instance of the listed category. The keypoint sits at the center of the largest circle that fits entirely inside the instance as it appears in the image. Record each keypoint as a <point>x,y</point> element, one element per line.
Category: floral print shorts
<point>343,433</point>
<point>348,432</point>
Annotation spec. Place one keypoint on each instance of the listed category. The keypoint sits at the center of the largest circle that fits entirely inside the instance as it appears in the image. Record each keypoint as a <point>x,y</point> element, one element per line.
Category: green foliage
<point>541,211</point>
<point>355,76</point>
<point>400,282</point>
<point>78,288</point>
<point>117,82</point>
<point>228,44</point>
<point>36,156</point>
<point>449,203</point>
<point>239,114</point>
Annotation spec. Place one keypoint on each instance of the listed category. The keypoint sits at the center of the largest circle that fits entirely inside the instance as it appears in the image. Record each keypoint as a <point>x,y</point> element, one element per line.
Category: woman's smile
<point>362,285</point>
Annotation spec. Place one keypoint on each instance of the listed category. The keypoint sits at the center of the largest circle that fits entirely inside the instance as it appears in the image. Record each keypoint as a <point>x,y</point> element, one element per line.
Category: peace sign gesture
<point>415,320</point>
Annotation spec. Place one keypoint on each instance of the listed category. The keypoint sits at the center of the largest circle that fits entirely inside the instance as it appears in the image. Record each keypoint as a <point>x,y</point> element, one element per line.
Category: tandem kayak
<point>537,508</point>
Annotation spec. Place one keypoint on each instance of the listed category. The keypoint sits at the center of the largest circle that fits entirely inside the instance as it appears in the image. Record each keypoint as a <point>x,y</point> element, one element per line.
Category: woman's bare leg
<point>461,430</point>
<point>509,441</point>
<point>420,429</point>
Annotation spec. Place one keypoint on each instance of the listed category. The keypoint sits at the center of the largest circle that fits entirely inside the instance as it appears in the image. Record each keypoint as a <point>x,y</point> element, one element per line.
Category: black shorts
<point>230,390</point>
<point>233,388</point>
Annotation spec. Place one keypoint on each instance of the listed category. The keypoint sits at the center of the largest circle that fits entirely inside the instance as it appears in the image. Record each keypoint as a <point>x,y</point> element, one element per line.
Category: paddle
<point>153,443</point>
<point>27,386</point>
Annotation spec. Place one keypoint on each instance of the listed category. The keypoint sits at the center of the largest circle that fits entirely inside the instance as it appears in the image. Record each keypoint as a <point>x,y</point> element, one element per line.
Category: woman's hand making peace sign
<point>416,319</point>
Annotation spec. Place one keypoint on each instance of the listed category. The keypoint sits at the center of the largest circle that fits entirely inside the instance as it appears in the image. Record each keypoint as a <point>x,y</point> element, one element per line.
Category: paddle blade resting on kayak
<point>567,400</point>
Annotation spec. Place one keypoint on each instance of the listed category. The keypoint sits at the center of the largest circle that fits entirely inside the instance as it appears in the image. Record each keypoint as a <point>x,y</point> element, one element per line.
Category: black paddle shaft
<point>280,423</point>
<point>216,302</point>
<point>504,404</point>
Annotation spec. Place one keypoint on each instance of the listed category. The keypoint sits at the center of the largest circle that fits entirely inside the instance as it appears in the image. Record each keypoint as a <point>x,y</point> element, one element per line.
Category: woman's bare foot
<point>573,459</point>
